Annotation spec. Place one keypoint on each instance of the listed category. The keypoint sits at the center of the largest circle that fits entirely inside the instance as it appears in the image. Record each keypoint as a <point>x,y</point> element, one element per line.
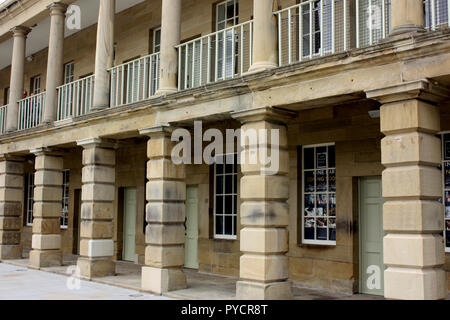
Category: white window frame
<point>227,40</point>
<point>441,134</point>
<point>64,222</point>
<point>69,69</point>
<point>309,241</point>
<point>156,47</point>
<point>29,199</point>
<point>234,194</point>
<point>36,89</point>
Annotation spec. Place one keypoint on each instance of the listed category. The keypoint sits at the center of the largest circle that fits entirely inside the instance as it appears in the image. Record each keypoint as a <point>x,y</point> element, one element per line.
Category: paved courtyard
<point>18,283</point>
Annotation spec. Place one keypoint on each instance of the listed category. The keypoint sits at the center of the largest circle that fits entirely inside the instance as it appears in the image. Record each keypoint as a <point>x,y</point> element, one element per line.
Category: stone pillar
<point>413,219</point>
<point>97,208</point>
<point>17,71</point>
<point>47,209</point>
<point>170,37</point>
<point>407,16</point>
<point>165,214</point>
<point>11,197</point>
<point>264,266</point>
<point>104,54</point>
<point>55,65</point>
<point>265,46</point>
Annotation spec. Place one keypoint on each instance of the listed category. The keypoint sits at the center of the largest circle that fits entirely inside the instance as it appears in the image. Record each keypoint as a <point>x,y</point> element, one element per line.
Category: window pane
<point>447,175</point>
<point>229,184</point>
<point>332,205</point>
<point>228,205</point>
<point>309,229</point>
<point>321,205</point>
<point>322,229</point>
<point>331,157</point>
<point>219,185</point>
<point>219,225</point>
<point>321,181</point>
<point>219,167</point>
<point>321,157</point>
<point>332,180</point>
<point>229,225</point>
<point>447,204</point>
<point>309,181</point>
<point>332,229</point>
<point>447,147</point>
<point>309,158</point>
<point>219,204</point>
<point>309,205</point>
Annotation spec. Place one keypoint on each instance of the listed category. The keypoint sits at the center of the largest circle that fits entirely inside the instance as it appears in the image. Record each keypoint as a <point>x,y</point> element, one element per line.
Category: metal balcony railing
<point>317,28</point>
<point>3,112</point>
<point>134,81</point>
<point>221,55</point>
<point>75,98</point>
<point>30,111</point>
<point>436,13</point>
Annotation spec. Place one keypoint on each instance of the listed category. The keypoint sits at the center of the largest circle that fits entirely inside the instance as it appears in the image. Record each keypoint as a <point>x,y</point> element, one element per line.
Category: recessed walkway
<point>128,278</point>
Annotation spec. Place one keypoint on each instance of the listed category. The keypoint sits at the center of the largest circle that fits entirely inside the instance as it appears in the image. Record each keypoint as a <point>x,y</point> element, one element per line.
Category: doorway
<point>129,224</point>
<point>191,240</point>
<point>371,271</point>
<point>76,221</point>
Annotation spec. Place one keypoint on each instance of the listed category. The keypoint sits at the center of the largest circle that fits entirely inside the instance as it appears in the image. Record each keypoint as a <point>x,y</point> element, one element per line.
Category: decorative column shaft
<point>165,214</point>
<point>170,37</point>
<point>265,46</point>
<point>413,219</point>
<point>11,197</point>
<point>407,16</point>
<point>97,208</point>
<point>47,209</point>
<point>17,72</point>
<point>264,266</point>
<point>104,54</point>
<point>55,65</point>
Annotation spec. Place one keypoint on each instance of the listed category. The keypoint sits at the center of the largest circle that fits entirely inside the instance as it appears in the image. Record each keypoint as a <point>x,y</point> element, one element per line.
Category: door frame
<point>124,189</point>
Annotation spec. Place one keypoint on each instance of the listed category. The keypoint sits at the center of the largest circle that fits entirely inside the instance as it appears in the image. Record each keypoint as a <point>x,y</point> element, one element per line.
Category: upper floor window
<point>29,198</point>
<point>319,194</point>
<point>69,72</point>
<point>436,13</point>
<point>6,96</point>
<point>446,184</point>
<point>35,85</point>
<point>227,14</point>
<point>65,200</point>
<point>225,196</point>
<point>156,45</point>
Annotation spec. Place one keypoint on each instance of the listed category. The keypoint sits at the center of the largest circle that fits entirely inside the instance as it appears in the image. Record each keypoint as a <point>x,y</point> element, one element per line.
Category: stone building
<point>357,89</point>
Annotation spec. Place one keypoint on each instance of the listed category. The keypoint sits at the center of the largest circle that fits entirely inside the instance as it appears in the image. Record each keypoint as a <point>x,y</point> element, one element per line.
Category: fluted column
<point>165,214</point>
<point>11,197</point>
<point>170,37</point>
<point>104,54</point>
<point>407,16</point>
<point>265,49</point>
<point>264,266</point>
<point>55,61</point>
<point>413,218</point>
<point>17,72</point>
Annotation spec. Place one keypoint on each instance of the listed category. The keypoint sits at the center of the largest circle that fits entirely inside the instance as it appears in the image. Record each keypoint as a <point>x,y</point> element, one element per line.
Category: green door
<point>129,224</point>
<point>371,236</point>
<point>191,241</point>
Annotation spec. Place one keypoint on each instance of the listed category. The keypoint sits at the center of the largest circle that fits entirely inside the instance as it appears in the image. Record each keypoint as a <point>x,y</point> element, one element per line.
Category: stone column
<point>170,37</point>
<point>47,209</point>
<point>97,208</point>
<point>413,219</point>
<point>104,54</point>
<point>55,65</point>
<point>264,266</point>
<point>165,214</point>
<point>17,71</point>
<point>407,16</point>
<point>11,197</point>
<point>265,46</point>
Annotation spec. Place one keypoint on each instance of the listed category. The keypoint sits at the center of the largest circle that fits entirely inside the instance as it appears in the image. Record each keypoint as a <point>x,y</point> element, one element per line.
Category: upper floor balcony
<point>301,32</point>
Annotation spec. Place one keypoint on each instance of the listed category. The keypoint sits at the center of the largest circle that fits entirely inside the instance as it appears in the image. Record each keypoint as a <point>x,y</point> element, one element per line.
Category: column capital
<point>20,31</point>
<point>270,114</point>
<point>97,143</point>
<point>47,151</point>
<point>423,90</point>
<point>159,130</point>
<point>57,8</point>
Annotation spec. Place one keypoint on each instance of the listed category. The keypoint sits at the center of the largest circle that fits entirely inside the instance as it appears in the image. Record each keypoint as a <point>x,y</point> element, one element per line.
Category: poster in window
<point>321,205</point>
<point>332,229</point>
<point>447,175</point>
<point>447,205</point>
<point>321,158</point>
<point>332,205</point>
<point>309,229</point>
<point>321,181</point>
<point>309,206</point>
<point>447,233</point>
<point>309,181</point>
<point>322,231</point>
<point>332,180</point>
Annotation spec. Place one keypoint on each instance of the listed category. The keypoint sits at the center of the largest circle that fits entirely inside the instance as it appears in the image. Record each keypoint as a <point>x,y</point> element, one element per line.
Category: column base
<point>9,252</point>
<point>415,284</point>
<point>248,290</point>
<point>157,280</point>
<point>261,66</point>
<point>406,29</point>
<point>93,268</point>
<point>45,258</point>
<point>165,91</point>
